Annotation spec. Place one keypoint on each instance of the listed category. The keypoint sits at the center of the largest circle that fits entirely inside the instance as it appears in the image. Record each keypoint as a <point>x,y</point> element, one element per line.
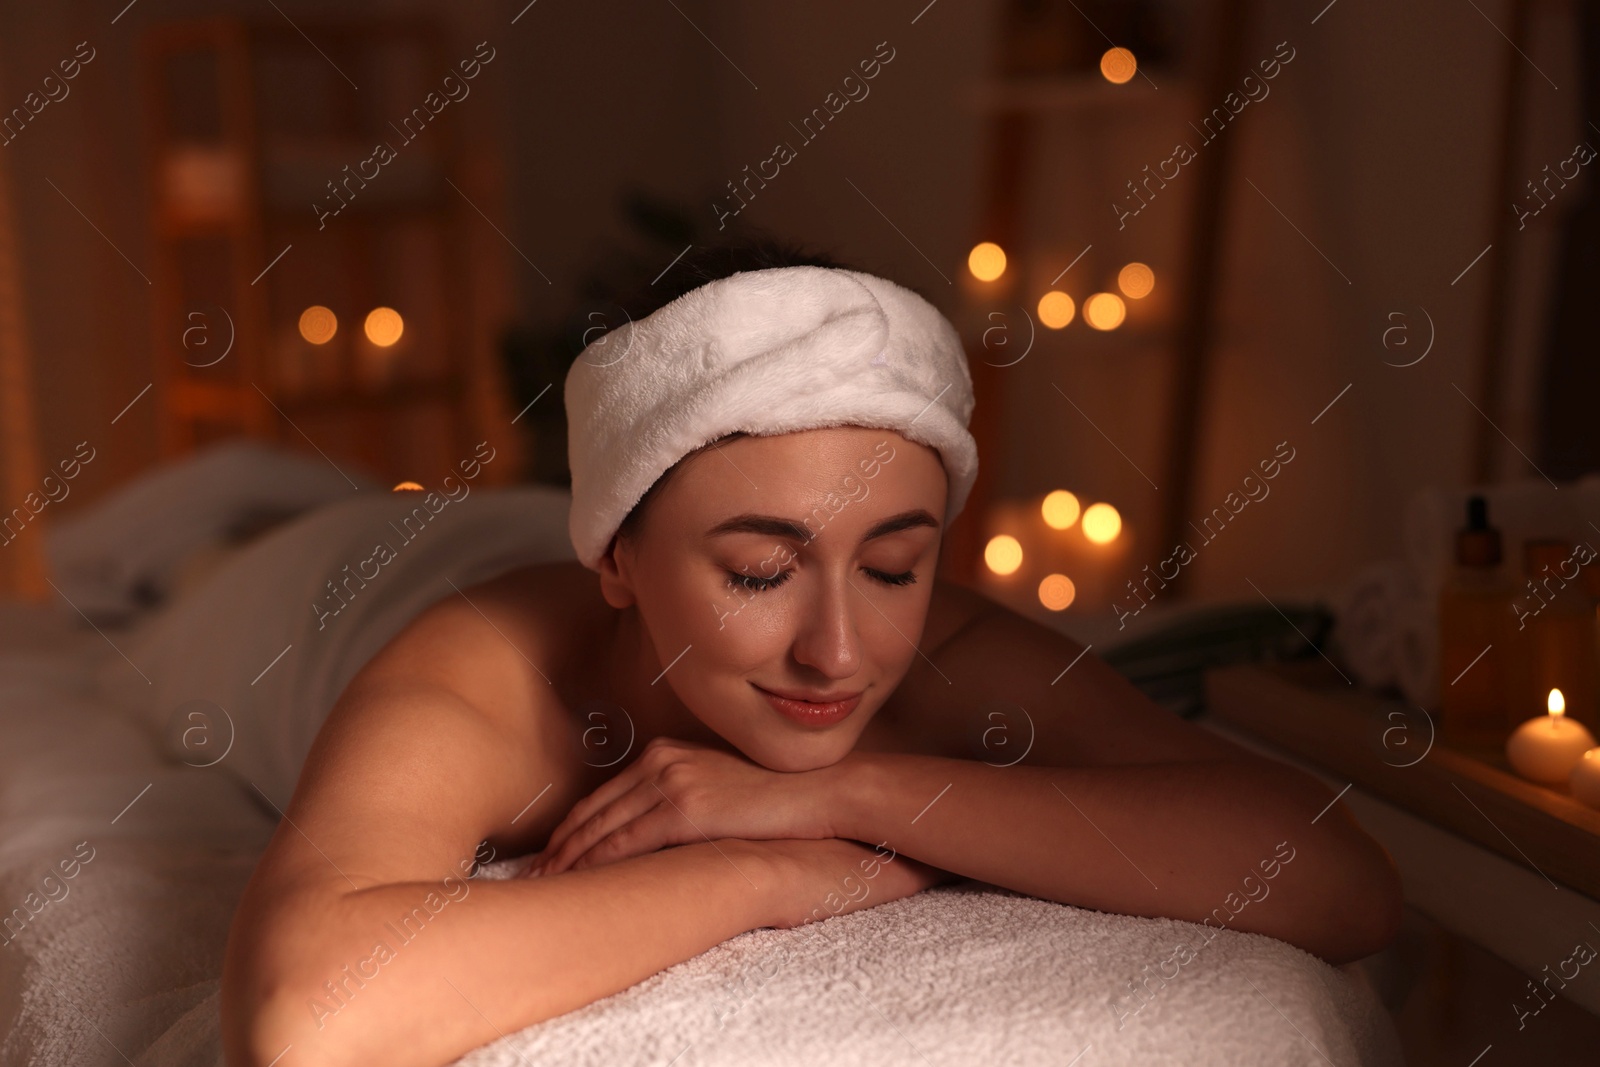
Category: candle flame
<point>1556,703</point>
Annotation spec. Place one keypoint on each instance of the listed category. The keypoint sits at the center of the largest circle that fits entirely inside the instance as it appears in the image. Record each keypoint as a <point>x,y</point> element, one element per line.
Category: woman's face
<point>798,565</point>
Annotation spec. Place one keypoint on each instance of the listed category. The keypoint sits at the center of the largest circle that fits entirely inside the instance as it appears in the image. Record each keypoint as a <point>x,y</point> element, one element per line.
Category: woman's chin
<point>779,754</point>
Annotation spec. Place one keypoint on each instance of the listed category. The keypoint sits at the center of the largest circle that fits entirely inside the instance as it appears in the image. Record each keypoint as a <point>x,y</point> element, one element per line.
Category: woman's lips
<point>810,712</point>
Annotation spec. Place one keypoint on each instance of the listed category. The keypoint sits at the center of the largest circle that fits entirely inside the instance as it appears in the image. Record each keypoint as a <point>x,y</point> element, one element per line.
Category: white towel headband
<point>766,352</point>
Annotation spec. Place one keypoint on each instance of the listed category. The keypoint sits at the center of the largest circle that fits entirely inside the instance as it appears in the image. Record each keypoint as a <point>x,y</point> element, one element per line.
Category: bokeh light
<point>986,261</point>
<point>1101,523</point>
<point>1057,592</point>
<point>1060,509</point>
<point>318,324</point>
<point>1003,554</point>
<point>1136,280</point>
<point>384,326</point>
<point>1118,65</point>
<point>1056,309</point>
<point>1104,311</point>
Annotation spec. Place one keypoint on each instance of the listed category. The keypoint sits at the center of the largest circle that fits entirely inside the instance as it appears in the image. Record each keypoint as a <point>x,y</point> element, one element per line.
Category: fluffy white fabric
<point>970,973</point>
<point>765,352</point>
<point>267,643</point>
<point>127,953</point>
<point>1387,626</point>
<point>125,552</point>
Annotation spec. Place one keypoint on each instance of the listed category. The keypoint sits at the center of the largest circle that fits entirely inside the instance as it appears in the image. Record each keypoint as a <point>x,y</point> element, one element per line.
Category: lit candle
<point>1547,749</point>
<point>1586,779</point>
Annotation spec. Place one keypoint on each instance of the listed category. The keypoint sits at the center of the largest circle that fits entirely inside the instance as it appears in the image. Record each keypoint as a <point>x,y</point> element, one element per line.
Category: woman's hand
<point>677,793</point>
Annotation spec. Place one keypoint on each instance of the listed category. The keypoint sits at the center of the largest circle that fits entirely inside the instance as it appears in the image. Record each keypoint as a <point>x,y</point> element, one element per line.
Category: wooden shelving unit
<point>251,125</point>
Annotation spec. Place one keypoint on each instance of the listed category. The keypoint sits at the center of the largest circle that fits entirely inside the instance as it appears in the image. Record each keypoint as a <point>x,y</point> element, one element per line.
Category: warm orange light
<point>384,326</point>
<point>407,487</point>
<point>1101,523</point>
<point>1118,65</point>
<point>1003,554</point>
<point>1056,309</point>
<point>1057,592</point>
<point>1556,703</point>
<point>986,261</point>
<point>318,324</point>
<point>1104,311</point>
<point>1060,509</point>
<point>1136,280</point>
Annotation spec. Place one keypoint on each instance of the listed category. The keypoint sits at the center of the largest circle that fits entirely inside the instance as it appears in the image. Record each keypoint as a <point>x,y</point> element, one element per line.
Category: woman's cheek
<point>896,645</point>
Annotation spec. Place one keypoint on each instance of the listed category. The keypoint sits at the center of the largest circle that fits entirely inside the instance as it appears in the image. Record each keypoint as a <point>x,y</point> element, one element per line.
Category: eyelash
<point>756,584</point>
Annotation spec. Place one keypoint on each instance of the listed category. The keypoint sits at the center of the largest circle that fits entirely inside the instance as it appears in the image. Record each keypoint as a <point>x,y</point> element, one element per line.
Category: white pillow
<point>243,672</point>
<point>120,556</point>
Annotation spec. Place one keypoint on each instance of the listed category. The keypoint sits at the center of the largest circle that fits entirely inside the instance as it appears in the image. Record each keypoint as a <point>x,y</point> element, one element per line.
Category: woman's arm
<point>1119,805</point>
<point>1226,843</point>
<point>359,940</point>
<point>326,975</point>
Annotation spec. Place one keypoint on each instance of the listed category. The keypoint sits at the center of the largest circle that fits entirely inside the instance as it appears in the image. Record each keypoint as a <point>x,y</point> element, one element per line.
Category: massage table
<point>160,748</point>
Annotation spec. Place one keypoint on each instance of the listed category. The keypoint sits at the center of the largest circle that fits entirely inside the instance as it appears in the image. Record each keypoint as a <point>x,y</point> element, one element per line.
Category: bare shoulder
<point>953,608</point>
<point>436,743</point>
<point>981,659</point>
<point>922,715</point>
<point>497,643</point>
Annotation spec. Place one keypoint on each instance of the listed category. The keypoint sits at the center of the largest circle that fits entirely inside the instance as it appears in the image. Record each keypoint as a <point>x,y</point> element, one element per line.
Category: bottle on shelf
<point>1475,618</point>
<point>1552,636</point>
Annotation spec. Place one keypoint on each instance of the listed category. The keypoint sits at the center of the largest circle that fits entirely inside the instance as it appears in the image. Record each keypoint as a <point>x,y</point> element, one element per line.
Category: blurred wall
<point>1376,146</point>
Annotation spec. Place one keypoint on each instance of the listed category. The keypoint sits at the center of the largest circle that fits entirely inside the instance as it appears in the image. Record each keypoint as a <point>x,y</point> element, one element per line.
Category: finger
<point>585,809</point>
<point>650,762</point>
<point>625,809</point>
<point>660,827</point>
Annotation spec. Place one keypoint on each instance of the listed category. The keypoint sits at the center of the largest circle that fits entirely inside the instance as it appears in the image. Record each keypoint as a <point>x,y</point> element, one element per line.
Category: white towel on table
<point>969,974</point>
<point>954,976</point>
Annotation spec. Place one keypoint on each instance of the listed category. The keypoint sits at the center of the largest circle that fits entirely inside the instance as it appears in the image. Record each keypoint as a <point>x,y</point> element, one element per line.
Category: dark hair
<point>694,269</point>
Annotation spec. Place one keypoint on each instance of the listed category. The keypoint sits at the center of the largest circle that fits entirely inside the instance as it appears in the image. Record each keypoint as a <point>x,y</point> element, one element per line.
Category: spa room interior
<point>1274,320</point>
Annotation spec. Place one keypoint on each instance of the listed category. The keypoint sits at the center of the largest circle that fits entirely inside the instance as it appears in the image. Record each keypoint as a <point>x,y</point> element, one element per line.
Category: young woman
<point>749,686</point>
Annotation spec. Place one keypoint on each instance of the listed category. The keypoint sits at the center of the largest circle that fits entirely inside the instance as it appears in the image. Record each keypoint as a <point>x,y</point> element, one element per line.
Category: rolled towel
<point>763,352</point>
<point>1386,629</point>
<point>1416,651</point>
<point>1367,627</point>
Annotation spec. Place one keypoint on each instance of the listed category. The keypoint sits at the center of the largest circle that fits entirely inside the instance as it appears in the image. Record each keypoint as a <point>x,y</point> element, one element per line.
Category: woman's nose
<point>826,639</point>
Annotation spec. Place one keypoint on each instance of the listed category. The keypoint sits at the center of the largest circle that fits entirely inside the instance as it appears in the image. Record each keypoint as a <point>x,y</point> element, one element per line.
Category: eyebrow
<point>796,531</point>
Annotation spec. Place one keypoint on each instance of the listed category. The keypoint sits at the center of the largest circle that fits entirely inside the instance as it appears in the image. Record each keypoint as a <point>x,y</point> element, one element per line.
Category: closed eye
<point>755,583</point>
